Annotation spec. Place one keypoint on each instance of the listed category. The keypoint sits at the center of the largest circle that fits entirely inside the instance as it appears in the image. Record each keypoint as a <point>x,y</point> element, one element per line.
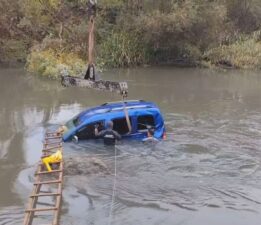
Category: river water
<point>206,172</point>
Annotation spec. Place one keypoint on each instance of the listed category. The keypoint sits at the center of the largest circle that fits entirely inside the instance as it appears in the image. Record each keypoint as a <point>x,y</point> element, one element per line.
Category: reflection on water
<point>208,171</point>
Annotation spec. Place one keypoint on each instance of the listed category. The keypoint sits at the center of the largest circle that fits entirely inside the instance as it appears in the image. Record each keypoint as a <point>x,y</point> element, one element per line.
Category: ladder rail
<point>53,179</point>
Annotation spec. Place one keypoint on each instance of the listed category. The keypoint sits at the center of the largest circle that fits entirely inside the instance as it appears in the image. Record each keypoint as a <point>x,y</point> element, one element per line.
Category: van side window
<point>144,121</point>
<point>121,126</point>
<point>87,132</point>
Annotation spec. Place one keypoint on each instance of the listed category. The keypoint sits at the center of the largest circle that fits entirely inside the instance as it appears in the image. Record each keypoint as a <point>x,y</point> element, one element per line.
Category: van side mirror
<point>75,139</point>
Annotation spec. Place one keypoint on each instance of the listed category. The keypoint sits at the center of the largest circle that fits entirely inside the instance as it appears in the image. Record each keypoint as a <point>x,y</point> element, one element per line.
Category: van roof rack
<point>125,101</point>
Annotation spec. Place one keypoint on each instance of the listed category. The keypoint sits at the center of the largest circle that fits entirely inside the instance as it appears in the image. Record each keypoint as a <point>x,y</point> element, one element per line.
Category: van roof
<point>117,106</point>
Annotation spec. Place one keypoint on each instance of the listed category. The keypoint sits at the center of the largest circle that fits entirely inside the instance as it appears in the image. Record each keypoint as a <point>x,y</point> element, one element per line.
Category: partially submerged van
<point>142,114</point>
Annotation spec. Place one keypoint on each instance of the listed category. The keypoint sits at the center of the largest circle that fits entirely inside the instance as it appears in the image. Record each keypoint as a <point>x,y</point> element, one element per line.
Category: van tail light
<point>164,136</point>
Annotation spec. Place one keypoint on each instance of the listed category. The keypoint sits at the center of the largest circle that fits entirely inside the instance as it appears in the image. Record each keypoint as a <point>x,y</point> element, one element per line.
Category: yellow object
<point>62,129</point>
<point>54,158</point>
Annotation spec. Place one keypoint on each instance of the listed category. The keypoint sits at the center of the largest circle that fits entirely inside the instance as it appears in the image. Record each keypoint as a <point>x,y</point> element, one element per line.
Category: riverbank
<point>50,60</point>
<point>51,36</point>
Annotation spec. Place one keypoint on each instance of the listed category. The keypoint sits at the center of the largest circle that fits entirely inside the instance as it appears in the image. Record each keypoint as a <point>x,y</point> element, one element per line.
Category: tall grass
<point>121,49</point>
<point>244,53</point>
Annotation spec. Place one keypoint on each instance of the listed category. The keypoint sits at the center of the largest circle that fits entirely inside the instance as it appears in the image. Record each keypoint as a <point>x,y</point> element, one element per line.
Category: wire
<point>114,185</point>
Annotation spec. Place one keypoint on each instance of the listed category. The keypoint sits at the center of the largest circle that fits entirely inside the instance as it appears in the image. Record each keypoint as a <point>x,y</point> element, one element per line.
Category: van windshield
<point>73,122</point>
<point>76,121</point>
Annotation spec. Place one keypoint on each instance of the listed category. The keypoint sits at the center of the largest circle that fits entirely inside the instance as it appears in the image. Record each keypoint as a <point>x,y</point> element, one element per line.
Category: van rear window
<point>145,121</point>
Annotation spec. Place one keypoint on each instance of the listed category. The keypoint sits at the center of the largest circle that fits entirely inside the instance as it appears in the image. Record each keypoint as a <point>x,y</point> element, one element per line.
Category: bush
<point>52,64</point>
<point>245,53</point>
<point>13,50</point>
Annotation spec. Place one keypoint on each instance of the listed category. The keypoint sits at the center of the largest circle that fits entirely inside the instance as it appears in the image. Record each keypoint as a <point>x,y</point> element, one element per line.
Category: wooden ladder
<point>52,180</point>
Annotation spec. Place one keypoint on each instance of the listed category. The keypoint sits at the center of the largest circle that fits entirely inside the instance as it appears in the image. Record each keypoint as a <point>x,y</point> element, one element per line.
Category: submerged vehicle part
<point>142,115</point>
<point>103,85</point>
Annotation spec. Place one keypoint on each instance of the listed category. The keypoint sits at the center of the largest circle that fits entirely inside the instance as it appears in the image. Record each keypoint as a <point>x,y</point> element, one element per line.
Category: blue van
<point>142,115</point>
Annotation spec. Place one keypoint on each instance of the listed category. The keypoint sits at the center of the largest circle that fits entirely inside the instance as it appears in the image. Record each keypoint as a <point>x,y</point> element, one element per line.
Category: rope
<point>114,186</point>
<point>126,115</point>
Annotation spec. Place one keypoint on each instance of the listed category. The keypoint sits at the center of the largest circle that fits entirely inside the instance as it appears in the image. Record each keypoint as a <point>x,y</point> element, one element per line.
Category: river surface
<point>206,172</point>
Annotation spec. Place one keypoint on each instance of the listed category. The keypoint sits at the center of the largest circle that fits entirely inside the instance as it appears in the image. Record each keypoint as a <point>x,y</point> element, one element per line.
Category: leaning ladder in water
<point>52,180</point>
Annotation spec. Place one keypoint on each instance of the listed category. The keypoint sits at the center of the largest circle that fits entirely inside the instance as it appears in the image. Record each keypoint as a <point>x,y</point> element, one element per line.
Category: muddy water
<point>207,172</point>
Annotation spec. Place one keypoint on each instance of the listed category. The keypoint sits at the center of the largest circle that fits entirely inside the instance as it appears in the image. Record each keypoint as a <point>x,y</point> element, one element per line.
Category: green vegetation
<point>52,64</point>
<point>121,49</point>
<point>131,32</point>
<point>244,53</point>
